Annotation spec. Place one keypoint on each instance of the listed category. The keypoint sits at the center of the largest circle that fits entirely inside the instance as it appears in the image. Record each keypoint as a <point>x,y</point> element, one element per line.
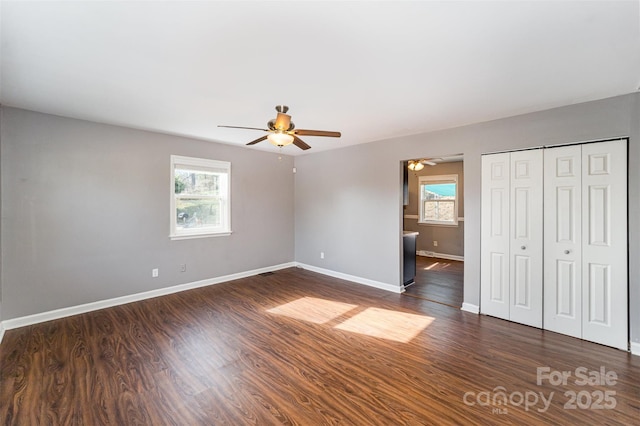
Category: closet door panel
<point>562,240</point>
<point>604,230</point>
<point>494,280</point>
<point>525,261</point>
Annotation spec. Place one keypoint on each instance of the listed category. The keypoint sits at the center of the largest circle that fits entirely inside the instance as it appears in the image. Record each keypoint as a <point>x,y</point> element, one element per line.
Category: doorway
<point>433,207</point>
<point>438,280</point>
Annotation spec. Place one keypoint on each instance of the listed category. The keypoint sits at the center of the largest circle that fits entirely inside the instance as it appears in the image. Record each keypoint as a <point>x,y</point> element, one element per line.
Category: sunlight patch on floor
<point>312,309</point>
<point>433,265</point>
<point>386,324</point>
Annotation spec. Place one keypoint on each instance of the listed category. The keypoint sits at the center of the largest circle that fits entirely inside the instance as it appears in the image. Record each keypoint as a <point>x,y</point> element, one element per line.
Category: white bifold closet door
<point>511,241</point>
<point>495,236</point>
<point>585,248</point>
<point>563,240</point>
<point>525,259</point>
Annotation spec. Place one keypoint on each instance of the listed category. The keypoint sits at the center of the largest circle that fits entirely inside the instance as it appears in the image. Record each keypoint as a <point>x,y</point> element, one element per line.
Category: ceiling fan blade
<point>300,143</point>
<point>303,132</point>
<point>283,121</point>
<point>428,163</point>
<point>241,127</point>
<point>260,139</point>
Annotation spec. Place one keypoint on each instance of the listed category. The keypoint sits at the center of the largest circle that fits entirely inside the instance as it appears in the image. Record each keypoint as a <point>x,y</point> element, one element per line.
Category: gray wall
<point>349,201</point>
<point>348,205</point>
<point>85,212</point>
<point>450,238</point>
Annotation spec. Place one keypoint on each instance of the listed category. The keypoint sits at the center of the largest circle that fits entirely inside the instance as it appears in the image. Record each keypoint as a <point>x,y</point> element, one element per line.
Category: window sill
<point>416,217</point>
<point>207,235</point>
<point>448,225</point>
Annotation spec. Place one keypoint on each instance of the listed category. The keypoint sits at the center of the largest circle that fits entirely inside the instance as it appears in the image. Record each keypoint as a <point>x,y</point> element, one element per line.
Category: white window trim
<point>204,163</point>
<point>422,180</point>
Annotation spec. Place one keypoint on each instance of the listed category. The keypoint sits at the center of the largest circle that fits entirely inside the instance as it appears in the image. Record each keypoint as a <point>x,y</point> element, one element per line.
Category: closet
<point>554,239</point>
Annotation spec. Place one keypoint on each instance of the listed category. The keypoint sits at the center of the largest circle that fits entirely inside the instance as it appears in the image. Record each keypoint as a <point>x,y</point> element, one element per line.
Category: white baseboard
<point>440,255</point>
<point>355,279</point>
<point>469,307</point>
<point>94,306</point>
<point>635,348</point>
<point>1,332</point>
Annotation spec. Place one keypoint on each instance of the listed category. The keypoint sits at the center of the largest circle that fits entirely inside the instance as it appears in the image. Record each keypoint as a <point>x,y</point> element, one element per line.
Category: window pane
<point>439,191</point>
<point>196,182</point>
<point>439,210</point>
<point>198,213</point>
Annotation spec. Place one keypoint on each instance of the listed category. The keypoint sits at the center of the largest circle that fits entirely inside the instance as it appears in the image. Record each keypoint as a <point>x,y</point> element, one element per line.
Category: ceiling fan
<point>282,131</point>
<point>416,165</point>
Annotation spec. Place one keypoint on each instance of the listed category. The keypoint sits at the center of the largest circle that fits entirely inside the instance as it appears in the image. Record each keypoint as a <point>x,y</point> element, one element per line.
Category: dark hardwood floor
<point>300,348</point>
<point>438,280</point>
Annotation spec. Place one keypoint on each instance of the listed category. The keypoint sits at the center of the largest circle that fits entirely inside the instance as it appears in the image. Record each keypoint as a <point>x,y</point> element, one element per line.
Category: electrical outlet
<point>321,255</point>
<point>154,273</point>
<point>435,244</point>
<point>183,267</point>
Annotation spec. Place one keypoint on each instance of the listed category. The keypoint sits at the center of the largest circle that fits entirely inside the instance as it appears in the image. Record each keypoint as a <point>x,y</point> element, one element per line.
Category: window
<point>200,204</point>
<point>438,200</point>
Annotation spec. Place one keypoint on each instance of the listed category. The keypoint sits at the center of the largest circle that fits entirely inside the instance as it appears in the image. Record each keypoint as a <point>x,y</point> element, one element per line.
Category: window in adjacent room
<point>200,197</point>
<point>438,200</point>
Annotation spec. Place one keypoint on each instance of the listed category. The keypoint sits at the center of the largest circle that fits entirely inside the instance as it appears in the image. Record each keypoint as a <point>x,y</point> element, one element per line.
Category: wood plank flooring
<point>299,348</point>
<point>438,280</point>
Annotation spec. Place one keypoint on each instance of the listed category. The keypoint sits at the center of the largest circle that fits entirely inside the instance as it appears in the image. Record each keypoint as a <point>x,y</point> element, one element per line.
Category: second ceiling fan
<point>282,131</point>
<point>416,165</point>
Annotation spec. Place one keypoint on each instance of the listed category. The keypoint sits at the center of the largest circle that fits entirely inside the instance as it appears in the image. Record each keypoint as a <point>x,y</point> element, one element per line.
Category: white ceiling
<point>371,70</point>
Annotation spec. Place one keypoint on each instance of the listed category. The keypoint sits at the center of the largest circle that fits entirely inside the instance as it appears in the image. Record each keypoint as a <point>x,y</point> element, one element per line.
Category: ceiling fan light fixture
<point>415,166</point>
<point>280,139</point>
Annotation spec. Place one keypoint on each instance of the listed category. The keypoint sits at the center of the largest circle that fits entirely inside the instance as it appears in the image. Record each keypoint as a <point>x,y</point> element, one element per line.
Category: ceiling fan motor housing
<point>272,126</point>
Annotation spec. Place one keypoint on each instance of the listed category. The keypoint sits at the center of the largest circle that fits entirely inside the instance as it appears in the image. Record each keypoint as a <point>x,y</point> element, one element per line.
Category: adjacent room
<point>433,215</point>
<point>407,213</point>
